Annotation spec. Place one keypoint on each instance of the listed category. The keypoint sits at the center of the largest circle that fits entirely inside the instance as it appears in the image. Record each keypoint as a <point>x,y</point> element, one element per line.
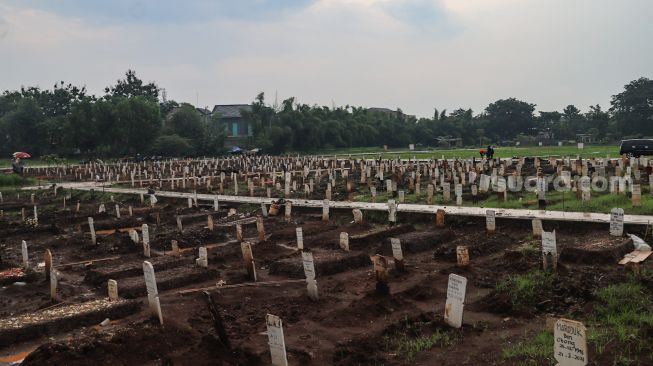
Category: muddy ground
<point>350,324</point>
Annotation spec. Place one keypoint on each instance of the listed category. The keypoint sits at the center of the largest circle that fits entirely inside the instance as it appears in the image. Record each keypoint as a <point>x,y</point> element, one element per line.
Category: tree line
<point>130,119</point>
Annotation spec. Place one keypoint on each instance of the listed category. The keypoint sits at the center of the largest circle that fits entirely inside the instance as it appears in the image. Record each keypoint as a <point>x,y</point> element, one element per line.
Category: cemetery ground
<point>510,298</point>
<point>183,281</point>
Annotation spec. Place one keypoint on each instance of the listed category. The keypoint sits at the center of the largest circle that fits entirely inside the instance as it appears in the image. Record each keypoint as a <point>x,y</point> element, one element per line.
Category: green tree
<point>132,86</point>
<point>633,108</point>
<point>171,145</point>
<point>186,121</point>
<point>23,128</point>
<point>508,117</point>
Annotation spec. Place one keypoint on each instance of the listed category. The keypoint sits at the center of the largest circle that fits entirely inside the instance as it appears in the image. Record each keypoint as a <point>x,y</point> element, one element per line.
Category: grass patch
<point>14,180</point>
<point>532,352</point>
<point>624,311</point>
<point>525,290</point>
<point>620,325</point>
<point>410,347</point>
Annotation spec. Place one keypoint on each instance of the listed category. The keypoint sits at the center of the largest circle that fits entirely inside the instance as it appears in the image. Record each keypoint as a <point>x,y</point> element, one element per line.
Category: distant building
<point>586,138</point>
<point>382,110</point>
<point>236,127</point>
<point>448,142</point>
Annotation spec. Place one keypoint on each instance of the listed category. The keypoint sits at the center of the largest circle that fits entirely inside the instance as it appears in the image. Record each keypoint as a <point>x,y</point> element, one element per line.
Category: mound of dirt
<point>597,250</point>
<point>327,262</point>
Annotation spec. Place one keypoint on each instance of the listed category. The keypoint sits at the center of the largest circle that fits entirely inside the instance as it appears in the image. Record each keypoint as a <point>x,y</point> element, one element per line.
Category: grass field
<point>12,182</point>
<point>501,152</point>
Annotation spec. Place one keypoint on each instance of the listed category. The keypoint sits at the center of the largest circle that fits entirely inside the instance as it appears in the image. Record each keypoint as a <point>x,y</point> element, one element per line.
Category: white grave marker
<point>570,344</point>
<point>152,291</point>
<point>23,247</point>
<point>344,241</point>
<point>309,272</point>
<point>397,253</point>
<point>617,222</point>
<point>490,220</point>
<point>300,238</point>
<point>549,249</point>
<point>203,260</point>
<point>453,311</point>
<point>276,340</point>
<point>146,240</point>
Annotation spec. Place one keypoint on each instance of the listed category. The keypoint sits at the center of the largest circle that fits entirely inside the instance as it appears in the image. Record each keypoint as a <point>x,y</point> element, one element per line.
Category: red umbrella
<point>22,155</point>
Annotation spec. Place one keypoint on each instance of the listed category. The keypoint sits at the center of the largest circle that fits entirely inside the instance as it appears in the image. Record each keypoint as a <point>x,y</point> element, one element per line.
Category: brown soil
<point>349,325</point>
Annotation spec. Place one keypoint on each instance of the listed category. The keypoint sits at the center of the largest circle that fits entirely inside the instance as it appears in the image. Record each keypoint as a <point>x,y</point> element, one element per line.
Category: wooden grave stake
<point>260,228</point>
<point>217,321</point>
<point>112,287</point>
<point>381,274</point>
<point>175,247</point>
<point>248,259</point>
<point>636,195</point>
<point>239,232</point>
<point>54,284</point>
<point>462,256</point>
<point>92,229</point>
<point>439,218</point>
<point>47,259</point>
<point>209,222</point>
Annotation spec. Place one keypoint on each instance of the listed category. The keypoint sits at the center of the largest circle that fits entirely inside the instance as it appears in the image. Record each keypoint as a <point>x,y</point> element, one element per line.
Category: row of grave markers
<point>568,348</point>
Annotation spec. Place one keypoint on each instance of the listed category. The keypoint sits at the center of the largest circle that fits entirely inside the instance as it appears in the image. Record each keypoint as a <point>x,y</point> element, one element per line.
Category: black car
<point>637,147</point>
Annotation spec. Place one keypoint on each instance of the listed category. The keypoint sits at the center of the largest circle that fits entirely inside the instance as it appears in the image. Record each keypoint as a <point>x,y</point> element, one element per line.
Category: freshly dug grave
<point>596,249</point>
<point>63,318</point>
<point>478,245</point>
<point>418,241</point>
<point>327,262</point>
<point>563,292</point>
<point>133,287</point>
<point>98,276</point>
<point>136,344</point>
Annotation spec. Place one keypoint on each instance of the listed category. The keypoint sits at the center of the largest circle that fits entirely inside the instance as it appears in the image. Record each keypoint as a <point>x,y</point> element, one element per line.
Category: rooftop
<point>231,110</point>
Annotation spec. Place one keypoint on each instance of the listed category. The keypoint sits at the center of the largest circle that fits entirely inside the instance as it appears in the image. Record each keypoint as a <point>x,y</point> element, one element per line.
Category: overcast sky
<point>411,54</point>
